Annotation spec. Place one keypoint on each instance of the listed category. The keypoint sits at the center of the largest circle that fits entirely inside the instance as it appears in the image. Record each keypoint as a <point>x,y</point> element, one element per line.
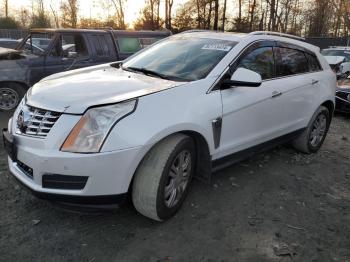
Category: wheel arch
<point>330,106</point>
<point>203,158</point>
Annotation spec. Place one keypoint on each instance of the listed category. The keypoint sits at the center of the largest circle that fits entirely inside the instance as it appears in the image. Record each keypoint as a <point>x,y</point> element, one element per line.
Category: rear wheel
<point>312,138</point>
<point>10,95</point>
<point>162,180</point>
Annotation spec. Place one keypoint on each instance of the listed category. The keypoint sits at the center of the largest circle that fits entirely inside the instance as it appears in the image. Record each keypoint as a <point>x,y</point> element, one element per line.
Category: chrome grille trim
<point>35,122</point>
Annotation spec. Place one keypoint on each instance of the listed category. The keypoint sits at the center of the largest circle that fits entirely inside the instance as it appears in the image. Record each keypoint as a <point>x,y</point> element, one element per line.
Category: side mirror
<point>243,77</point>
<point>72,54</point>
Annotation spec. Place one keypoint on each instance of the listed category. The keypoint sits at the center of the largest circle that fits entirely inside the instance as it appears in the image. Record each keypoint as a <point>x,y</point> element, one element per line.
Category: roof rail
<point>277,34</point>
<point>197,30</point>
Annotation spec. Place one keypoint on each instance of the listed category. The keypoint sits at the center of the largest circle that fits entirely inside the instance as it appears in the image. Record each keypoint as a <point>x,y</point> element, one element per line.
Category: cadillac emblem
<point>23,119</point>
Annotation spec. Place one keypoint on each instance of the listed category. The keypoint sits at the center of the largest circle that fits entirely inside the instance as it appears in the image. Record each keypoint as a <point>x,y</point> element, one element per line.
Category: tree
<point>119,7</point>
<point>168,8</point>
<point>149,18</point>
<point>39,17</point>
<point>6,7</point>
<point>8,23</point>
<point>69,10</point>
<point>216,14</point>
<point>224,16</point>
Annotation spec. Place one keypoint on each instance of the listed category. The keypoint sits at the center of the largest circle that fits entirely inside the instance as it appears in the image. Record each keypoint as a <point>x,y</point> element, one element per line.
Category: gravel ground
<point>276,206</point>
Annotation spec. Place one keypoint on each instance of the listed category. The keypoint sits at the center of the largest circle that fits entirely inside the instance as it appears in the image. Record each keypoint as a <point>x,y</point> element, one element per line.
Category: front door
<point>70,51</point>
<point>252,115</point>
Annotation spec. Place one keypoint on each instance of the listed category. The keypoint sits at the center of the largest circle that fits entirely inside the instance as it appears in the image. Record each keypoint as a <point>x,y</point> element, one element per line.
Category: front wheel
<point>10,95</point>
<point>162,180</point>
<point>313,136</point>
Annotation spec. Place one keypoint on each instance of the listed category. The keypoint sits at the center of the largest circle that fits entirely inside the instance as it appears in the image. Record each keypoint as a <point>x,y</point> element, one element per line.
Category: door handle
<point>314,82</point>
<point>276,94</point>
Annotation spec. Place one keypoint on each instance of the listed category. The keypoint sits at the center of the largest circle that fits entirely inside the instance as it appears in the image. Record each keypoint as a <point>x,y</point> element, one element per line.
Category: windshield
<point>180,58</point>
<point>36,43</point>
<point>329,52</point>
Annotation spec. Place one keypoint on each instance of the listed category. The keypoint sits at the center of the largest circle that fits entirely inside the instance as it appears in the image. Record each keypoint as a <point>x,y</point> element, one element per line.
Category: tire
<point>155,177</point>
<point>307,142</point>
<point>10,95</point>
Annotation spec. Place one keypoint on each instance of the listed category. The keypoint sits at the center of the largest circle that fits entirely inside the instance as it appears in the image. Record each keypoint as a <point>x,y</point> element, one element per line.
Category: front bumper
<point>107,175</point>
<point>342,101</point>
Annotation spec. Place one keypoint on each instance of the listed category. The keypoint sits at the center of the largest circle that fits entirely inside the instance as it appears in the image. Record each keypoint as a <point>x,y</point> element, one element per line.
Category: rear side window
<point>129,44</point>
<point>292,62</point>
<point>100,44</point>
<point>260,60</point>
<point>314,65</point>
<point>147,41</point>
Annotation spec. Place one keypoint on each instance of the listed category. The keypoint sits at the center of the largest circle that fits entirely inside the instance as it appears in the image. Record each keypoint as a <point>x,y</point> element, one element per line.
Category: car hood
<point>334,60</point>
<point>75,91</point>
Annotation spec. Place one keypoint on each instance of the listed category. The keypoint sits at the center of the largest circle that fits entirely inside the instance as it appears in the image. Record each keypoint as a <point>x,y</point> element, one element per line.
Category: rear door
<point>298,80</point>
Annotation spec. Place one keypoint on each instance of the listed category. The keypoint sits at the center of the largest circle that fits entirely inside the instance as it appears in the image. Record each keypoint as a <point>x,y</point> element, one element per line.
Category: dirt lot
<point>277,206</point>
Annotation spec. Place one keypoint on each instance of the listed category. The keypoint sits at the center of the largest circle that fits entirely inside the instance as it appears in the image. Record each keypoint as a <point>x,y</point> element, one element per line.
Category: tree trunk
<point>252,12</point>
<point>209,14</point>
<point>239,22</point>
<point>216,15</point>
<point>224,16</point>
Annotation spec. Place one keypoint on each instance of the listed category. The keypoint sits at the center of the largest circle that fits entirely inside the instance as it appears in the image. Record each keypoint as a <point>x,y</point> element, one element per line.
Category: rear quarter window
<point>314,64</point>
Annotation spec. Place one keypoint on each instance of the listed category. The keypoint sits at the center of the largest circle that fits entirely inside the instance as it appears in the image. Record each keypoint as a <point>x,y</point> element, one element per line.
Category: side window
<point>70,43</point>
<point>129,44</point>
<point>260,60</point>
<point>100,45</point>
<point>314,65</point>
<point>292,62</point>
<point>147,41</point>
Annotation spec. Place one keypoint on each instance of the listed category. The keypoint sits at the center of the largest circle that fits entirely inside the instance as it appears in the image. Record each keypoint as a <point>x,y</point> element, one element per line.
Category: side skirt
<point>229,160</point>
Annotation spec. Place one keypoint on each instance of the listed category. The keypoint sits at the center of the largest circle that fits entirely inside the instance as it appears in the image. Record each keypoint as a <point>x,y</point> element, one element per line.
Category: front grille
<point>28,171</point>
<point>343,95</point>
<point>35,121</point>
<point>64,182</point>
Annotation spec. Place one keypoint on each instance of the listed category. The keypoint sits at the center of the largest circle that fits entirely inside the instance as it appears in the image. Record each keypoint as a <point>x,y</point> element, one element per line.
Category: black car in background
<point>342,96</point>
<point>48,51</point>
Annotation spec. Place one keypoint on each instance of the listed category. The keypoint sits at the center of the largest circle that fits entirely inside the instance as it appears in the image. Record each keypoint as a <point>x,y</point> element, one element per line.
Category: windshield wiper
<point>146,72</point>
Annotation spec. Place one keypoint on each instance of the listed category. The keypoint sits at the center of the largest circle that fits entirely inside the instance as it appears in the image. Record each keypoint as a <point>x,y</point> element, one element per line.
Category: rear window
<point>292,62</point>
<point>129,45</point>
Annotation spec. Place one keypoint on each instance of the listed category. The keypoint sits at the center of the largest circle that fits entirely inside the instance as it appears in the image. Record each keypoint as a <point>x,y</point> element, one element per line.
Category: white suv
<point>186,106</point>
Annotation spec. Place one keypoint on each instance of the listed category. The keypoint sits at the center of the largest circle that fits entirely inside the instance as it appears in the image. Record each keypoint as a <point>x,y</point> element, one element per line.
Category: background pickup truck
<point>48,51</point>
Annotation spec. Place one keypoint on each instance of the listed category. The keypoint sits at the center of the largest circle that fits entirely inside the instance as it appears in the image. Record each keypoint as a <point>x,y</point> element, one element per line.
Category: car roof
<point>258,35</point>
<point>102,30</point>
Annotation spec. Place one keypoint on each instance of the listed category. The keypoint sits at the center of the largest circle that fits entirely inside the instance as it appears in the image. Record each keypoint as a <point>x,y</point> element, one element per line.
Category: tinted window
<point>314,65</point>
<point>261,61</point>
<point>292,62</point>
<point>129,45</point>
<point>100,44</point>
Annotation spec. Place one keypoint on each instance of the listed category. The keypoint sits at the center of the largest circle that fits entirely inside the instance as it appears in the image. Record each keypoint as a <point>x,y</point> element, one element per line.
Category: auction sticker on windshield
<point>219,47</point>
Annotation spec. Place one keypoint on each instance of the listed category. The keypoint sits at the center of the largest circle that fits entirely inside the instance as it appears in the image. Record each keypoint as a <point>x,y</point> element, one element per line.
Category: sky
<point>92,8</point>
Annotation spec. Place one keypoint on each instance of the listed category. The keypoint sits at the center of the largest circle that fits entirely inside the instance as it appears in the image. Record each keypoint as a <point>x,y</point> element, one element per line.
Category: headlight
<point>89,133</point>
